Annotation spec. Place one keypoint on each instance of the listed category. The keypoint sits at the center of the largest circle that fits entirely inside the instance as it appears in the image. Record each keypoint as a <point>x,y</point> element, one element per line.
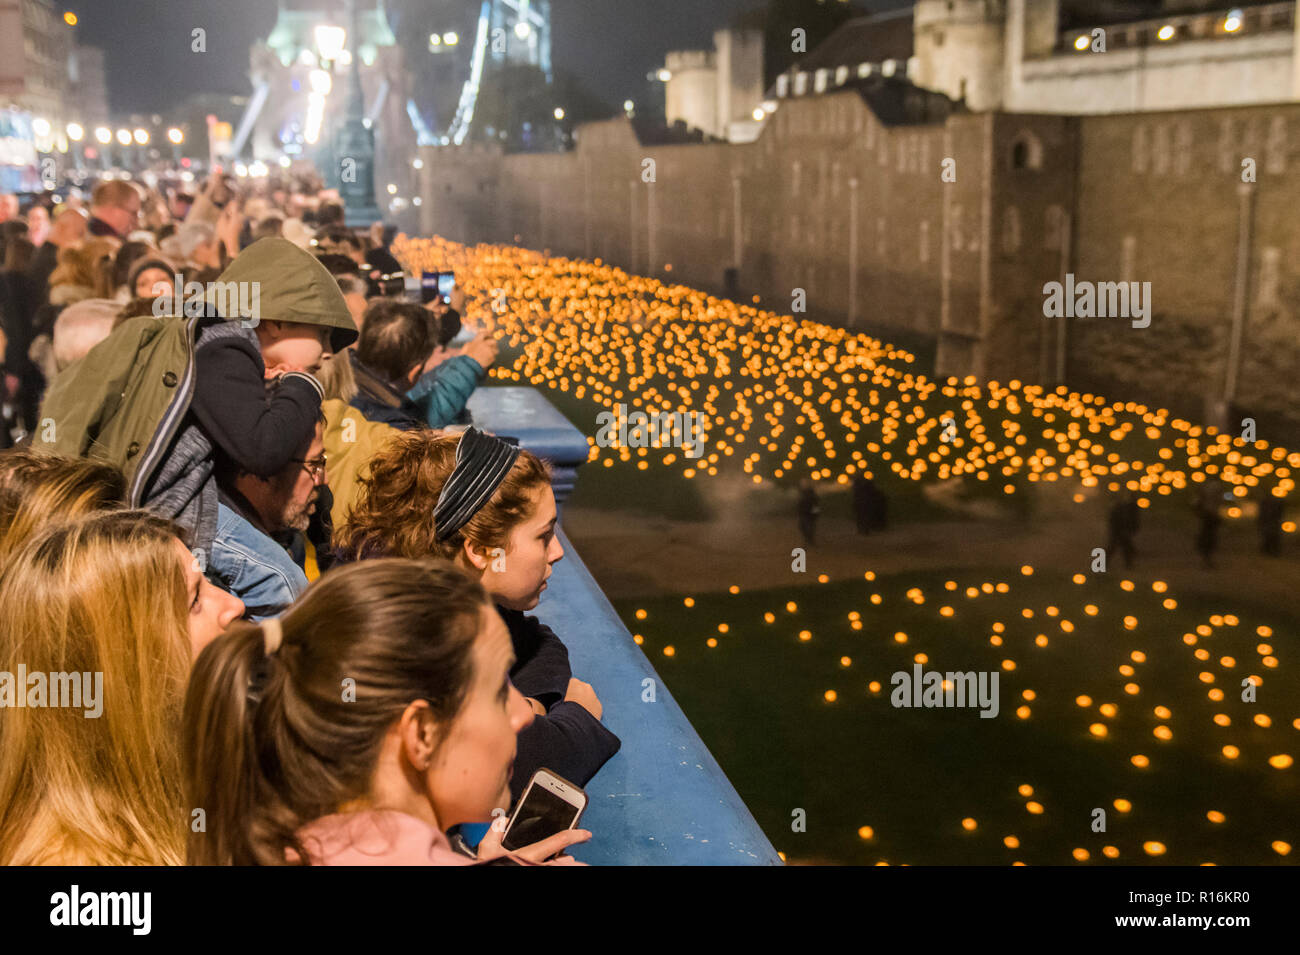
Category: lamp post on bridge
<point>355,147</point>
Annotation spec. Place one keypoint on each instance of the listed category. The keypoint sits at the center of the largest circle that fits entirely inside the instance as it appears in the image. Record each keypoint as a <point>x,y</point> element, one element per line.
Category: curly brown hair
<point>393,512</point>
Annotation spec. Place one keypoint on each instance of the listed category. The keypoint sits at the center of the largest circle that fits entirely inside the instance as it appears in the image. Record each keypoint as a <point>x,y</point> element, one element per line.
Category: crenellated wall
<point>1153,197</point>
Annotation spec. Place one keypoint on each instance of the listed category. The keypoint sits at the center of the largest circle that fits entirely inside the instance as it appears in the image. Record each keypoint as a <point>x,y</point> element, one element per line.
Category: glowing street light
<point>1232,22</point>
<point>392,189</point>
<point>522,29</point>
<point>1081,42</point>
<point>417,163</point>
<point>75,132</point>
<point>628,106</point>
<point>320,82</point>
<point>559,112</point>
<point>175,136</point>
<point>142,136</point>
<point>104,135</point>
<point>124,137</point>
<point>41,126</point>
<point>70,18</point>
<point>330,41</point>
<point>434,41</point>
<point>451,38</point>
<point>1166,32</point>
<point>758,113</point>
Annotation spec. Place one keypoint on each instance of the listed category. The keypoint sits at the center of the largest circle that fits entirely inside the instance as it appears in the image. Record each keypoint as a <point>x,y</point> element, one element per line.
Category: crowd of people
<point>243,509</point>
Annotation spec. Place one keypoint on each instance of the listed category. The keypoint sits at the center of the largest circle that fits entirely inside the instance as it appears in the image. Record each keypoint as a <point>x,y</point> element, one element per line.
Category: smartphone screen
<point>414,290</point>
<point>541,814</point>
<point>446,284</point>
<point>429,287</point>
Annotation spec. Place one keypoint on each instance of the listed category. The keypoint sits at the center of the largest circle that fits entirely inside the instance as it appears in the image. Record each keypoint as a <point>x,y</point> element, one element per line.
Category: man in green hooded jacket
<point>219,382</point>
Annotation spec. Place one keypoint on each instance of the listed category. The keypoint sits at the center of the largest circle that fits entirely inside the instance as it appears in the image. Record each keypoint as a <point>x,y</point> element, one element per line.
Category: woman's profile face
<point>516,575</point>
<point>470,776</point>
<point>153,282</point>
<point>210,609</point>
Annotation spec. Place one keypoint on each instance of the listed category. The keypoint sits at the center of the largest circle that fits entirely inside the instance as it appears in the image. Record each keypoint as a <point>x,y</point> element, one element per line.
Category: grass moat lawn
<point>1108,700</point>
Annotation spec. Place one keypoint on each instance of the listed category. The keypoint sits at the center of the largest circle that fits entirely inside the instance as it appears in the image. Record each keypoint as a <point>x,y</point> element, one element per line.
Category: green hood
<point>292,286</point>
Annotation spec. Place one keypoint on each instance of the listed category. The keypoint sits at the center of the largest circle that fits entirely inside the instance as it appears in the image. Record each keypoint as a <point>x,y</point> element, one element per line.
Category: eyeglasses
<point>315,467</point>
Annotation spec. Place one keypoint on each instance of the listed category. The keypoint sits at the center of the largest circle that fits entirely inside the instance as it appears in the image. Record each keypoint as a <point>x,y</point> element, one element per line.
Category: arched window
<point>1026,151</point>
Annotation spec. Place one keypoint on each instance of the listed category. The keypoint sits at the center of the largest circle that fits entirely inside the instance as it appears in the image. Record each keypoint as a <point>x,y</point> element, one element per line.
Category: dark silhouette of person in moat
<point>1271,511</point>
<point>1123,521</point>
<point>1207,533</point>
<point>870,506</point>
<point>809,507</point>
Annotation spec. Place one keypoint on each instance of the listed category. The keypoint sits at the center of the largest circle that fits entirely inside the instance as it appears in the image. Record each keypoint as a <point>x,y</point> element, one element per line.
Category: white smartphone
<point>550,804</point>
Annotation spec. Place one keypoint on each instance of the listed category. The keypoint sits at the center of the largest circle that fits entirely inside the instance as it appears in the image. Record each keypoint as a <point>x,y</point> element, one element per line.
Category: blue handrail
<point>662,799</point>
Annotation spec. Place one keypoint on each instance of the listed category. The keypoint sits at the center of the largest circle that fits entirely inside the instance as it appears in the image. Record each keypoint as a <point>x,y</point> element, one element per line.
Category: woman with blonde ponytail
<point>354,730</point>
<point>102,619</point>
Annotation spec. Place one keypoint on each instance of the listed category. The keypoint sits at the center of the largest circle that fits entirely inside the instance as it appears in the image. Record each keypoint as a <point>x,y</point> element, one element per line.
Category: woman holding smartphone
<point>487,506</point>
<point>357,728</point>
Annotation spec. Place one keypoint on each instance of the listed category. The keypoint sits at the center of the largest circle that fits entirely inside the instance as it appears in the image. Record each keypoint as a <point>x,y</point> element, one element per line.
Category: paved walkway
<point>632,555</point>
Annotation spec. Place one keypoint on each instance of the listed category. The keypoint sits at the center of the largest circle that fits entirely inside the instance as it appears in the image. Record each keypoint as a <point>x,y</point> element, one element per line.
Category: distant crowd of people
<point>239,485</point>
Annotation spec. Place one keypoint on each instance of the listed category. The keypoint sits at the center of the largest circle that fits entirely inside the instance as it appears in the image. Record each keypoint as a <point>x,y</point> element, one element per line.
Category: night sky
<point>609,44</point>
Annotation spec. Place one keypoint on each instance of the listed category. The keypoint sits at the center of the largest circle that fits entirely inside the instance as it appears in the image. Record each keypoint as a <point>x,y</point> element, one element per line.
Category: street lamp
<point>75,132</point>
<point>103,135</point>
<point>451,38</point>
<point>142,136</point>
<point>124,137</point>
<point>559,112</point>
<point>176,136</point>
<point>330,41</point>
<point>41,126</point>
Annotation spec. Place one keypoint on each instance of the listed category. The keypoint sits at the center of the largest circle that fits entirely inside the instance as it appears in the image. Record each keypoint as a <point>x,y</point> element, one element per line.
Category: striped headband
<point>482,463</point>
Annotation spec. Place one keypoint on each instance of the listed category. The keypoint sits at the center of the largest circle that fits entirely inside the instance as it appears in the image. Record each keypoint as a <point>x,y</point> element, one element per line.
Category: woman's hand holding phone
<point>539,852</point>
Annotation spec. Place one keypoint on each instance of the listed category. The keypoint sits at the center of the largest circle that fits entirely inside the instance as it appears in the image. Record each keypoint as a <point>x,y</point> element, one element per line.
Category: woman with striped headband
<point>487,506</point>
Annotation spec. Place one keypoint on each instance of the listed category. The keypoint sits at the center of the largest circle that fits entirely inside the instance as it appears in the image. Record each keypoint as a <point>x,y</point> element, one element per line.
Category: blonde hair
<point>39,489</point>
<point>102,595</point>
<point>88,265</point>
<point>336,377</point>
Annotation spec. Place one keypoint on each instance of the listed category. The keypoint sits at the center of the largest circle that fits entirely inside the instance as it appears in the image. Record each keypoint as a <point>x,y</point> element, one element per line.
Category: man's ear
<point>413,375</point>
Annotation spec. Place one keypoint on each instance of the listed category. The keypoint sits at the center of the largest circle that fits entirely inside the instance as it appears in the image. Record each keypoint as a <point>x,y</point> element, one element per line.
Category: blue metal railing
<point>662,799</point>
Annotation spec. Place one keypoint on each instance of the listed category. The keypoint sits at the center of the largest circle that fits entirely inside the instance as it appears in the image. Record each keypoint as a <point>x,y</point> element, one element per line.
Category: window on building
<point>1026,151</point>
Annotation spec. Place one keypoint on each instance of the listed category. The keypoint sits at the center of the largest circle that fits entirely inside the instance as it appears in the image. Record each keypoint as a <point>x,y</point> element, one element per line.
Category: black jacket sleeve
<point>41,267</point>
<point>259,432</point>
<point>541,667</point>
<point>568,740</point>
